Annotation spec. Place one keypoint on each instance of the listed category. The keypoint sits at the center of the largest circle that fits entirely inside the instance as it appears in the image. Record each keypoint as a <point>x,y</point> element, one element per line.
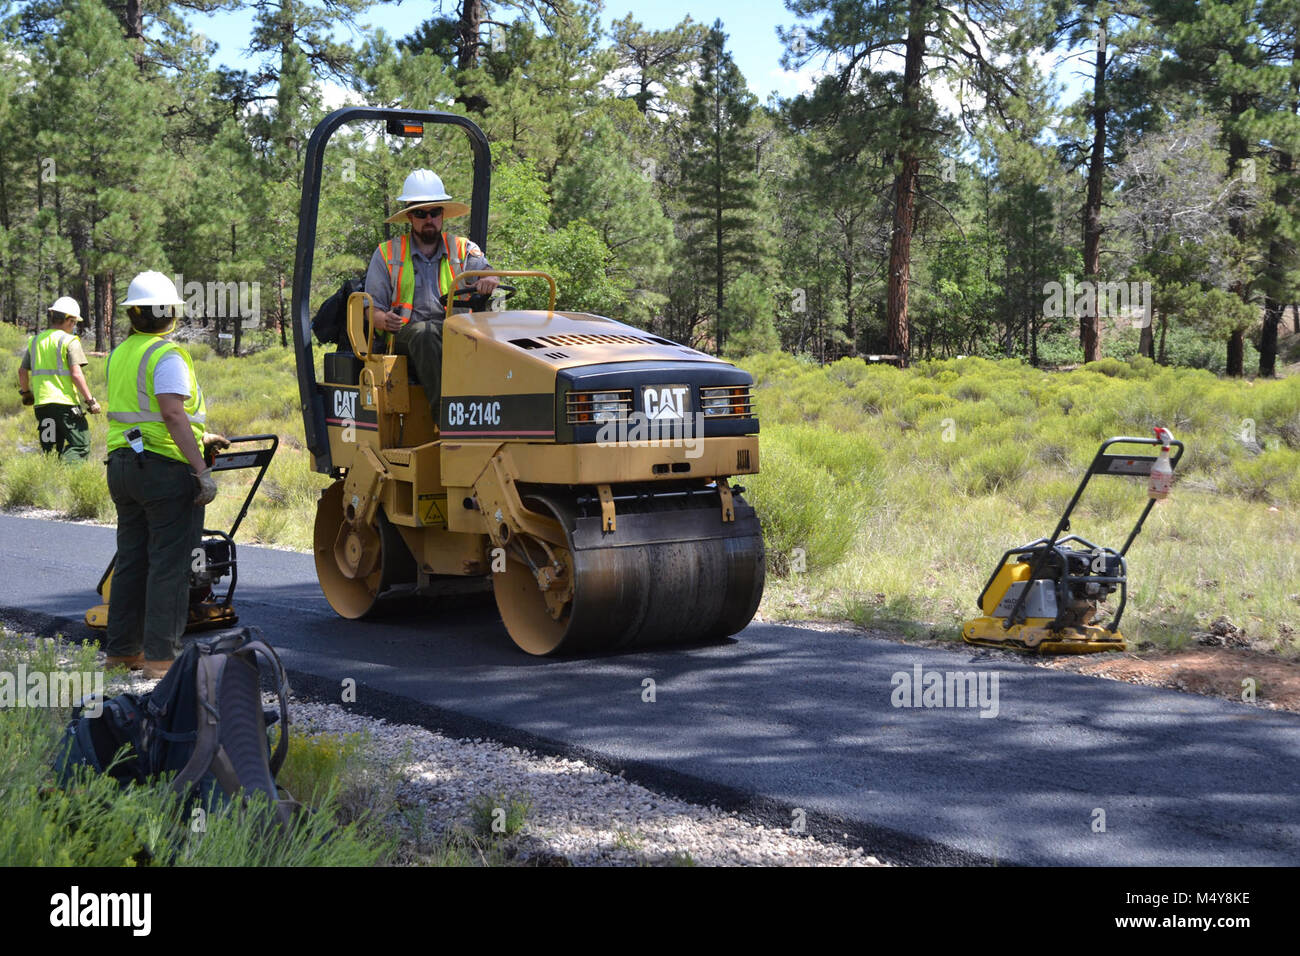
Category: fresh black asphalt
<point>779,720</point>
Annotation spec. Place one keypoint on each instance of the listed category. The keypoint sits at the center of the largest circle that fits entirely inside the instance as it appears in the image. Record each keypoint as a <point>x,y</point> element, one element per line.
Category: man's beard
<point>429,233</point>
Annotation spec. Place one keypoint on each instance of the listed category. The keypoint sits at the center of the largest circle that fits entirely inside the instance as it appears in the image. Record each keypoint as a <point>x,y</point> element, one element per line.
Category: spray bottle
<point>1162,472</point>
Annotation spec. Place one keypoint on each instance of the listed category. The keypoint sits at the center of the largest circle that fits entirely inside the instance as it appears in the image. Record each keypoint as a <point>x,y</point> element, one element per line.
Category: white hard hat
<point>152,288</point>
<point>423,188</point>
<point>67,305</point>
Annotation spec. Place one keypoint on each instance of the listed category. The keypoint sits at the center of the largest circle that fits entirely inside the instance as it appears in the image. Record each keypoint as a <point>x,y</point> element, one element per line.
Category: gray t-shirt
<point>427,304</point>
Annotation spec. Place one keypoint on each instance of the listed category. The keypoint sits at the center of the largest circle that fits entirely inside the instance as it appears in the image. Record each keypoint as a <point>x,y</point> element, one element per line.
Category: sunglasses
<point>426,213</point>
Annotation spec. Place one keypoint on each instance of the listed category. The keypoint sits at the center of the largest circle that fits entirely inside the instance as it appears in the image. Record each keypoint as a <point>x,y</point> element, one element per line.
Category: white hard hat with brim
<point>152,288</point>
<point>423,189</point>
<point>66,305</point>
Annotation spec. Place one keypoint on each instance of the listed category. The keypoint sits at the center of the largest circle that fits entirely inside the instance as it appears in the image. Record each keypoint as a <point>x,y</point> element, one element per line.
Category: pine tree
<point>1237,56</point>
<point>97,121</point>
<point>1114,34</point>
<point>718,183</point>
<point>653,62</point>
<point>618,199</point>
<point>15,159</point>
<point>932,41</point>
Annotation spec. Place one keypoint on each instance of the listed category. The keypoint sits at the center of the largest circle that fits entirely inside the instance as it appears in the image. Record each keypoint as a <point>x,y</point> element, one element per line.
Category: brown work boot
<point>132,663</point>
<point>156,669</point>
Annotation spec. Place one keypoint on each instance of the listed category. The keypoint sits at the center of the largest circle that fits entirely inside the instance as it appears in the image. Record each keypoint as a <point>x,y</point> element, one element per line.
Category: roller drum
<point>673,572</point>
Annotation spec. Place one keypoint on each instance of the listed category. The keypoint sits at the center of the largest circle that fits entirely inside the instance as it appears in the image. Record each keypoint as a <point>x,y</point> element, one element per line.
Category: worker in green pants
<point>158,479</point>
<point>51,379</point>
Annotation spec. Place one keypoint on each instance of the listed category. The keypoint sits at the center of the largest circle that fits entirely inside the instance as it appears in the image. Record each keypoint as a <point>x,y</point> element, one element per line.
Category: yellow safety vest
<point>131,399</point>
<point>51,373</point>
<point>401,274</point>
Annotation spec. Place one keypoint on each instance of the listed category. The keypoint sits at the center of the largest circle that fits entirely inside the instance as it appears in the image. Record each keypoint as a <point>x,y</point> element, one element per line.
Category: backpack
<point>204,721</point>
<point>330,322</point>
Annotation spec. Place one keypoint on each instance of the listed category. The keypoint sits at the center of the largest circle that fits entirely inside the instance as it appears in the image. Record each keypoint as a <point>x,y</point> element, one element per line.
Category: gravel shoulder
<point>577,814</point>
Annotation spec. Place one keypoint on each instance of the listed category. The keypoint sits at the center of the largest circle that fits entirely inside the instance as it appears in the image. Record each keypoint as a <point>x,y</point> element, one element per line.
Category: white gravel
<point>578,812</point>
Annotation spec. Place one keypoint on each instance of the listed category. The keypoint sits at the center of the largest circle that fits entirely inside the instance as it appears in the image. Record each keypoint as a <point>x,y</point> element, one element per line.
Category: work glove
<point>92,406</point>
<point>28,397</point>
<point>207,487</point>
<point>214,441</point>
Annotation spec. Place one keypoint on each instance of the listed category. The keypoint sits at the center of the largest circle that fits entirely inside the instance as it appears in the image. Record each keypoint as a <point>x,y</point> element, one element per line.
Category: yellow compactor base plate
<point>202,617</point>
<point>1034,637</point>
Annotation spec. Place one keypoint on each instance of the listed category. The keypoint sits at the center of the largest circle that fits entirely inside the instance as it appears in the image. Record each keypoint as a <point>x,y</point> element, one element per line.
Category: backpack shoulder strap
<point>207,678</point>
<point>255,647</point>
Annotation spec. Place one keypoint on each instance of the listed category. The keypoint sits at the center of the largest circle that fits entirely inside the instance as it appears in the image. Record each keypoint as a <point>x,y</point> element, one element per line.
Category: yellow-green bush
<point>317,765</point>
<point>87,493</point>
<point>30,481</point>
<point>806,507</point>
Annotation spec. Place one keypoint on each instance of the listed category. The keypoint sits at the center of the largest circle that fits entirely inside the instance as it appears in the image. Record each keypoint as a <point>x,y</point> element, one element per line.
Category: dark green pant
<point>422,343</point>
<point>63,428</point>
<point>158,529</point>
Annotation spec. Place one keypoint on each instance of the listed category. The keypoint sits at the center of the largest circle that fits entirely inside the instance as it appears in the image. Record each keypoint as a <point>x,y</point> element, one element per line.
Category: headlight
<point>731,401</point>
<point>587,407</point>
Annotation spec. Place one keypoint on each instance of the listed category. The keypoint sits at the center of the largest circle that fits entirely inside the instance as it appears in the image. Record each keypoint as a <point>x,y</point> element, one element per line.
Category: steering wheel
<point>478,301</point>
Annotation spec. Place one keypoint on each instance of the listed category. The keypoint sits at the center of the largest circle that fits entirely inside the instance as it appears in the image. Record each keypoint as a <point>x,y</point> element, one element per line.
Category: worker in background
<point>53,364</point>
<point>409,277</point>
<point>157,477</point>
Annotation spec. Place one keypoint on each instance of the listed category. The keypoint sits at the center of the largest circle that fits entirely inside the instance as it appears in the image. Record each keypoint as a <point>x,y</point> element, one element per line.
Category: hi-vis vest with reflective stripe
<point>401,274</point>
<point>131,399</point>
<point>51,374</point>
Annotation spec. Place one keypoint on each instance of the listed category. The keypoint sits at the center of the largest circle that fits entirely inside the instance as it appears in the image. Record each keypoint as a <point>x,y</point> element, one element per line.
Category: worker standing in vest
<point>410,274</point>
<point>157,477</point>
<point>51,378</point>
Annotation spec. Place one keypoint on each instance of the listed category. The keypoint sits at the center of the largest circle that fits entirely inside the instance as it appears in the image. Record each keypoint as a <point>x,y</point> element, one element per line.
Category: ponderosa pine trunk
<point>900,243</point>
<point>1090,325</point>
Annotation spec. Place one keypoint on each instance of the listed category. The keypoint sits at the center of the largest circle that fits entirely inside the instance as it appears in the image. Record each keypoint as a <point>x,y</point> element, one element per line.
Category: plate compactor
<point>208,609</point>
<point>576,466</point>
<point>1045,596</point>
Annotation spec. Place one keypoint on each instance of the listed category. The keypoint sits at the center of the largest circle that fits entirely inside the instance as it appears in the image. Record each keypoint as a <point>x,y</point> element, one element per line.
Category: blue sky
<point>749,24</point>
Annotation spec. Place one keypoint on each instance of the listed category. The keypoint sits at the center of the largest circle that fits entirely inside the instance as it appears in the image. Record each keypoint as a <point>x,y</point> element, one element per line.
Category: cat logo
<point>345,404</point>
<point>664,401</point>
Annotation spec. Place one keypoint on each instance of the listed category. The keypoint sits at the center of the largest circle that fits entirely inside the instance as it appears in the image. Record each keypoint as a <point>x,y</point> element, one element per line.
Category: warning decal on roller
<point>432,510</point>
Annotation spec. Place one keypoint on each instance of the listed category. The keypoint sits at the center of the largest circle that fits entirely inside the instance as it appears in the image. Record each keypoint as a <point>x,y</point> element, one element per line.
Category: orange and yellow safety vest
<point>401,273</point>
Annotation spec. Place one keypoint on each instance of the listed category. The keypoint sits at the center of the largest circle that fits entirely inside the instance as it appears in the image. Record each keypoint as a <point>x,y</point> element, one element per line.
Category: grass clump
<point>499,815</point>
<point>87,494</point>
<point>328,770</point>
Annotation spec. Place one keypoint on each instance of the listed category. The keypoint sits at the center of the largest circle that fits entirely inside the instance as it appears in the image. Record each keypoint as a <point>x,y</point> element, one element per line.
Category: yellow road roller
<point>580,467</point>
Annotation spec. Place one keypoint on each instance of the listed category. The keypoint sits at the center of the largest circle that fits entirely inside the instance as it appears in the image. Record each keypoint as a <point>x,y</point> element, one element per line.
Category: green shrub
<point>1112,367</point>
<point>993,469</point>
<point>802,504</point>
<point>87,493</point>
<point>1273,477</point>
<point>499,815</point>
<point>317,765</point>
<point>31,481</point>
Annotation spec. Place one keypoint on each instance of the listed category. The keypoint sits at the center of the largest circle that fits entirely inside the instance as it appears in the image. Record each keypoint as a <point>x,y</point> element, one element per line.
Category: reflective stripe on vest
<point>52,377</point>
<point>131,399</point>
<point>401,273</point>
